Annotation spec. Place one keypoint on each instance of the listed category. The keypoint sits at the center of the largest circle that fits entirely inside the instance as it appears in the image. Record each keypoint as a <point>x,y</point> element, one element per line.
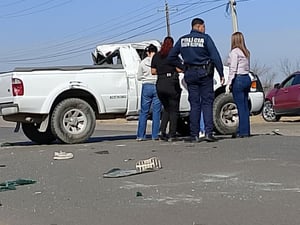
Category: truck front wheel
<point>73,121</point>
<point>225,116</point>
<point>32,132</point>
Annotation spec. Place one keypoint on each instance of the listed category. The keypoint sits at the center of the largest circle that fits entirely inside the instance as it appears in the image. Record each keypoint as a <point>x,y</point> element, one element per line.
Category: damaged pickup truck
<point>63,103</point>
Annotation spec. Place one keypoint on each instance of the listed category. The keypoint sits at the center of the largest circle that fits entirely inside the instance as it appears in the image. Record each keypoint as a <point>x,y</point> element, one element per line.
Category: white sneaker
<point>201,134</point>
<point>150,164</point>
<point>63,155</point>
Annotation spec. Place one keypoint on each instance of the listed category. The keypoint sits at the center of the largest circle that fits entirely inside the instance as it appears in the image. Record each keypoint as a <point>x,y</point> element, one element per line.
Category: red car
<point>283,99</point>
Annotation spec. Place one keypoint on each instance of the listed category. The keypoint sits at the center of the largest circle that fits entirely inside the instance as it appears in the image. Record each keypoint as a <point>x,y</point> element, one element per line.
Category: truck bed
<point>68,68</point>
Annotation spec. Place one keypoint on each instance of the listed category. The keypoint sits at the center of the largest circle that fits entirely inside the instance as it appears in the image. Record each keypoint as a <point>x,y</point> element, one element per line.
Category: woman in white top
<point>149,97</point>
<point>239,81</point>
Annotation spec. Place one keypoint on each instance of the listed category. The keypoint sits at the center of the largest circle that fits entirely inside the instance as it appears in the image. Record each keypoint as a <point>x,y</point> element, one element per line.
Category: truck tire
<point>225,114</point>
<point>268,113</point>
<point>31,131</point>
<point>73,121</point>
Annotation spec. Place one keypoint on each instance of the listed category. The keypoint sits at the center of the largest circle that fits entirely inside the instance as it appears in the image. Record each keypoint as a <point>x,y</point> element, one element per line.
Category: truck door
<point>131,62</point>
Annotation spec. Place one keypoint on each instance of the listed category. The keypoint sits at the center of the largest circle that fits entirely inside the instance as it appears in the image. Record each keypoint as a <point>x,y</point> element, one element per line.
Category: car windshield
<point>288,82</point>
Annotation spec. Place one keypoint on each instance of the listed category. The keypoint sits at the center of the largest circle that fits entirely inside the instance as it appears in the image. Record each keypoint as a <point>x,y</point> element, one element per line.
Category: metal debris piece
<point>102,152</point>
<point>276,132</point>
<point>11,184</point>
<point>139,194</point>
<point>6,144</point>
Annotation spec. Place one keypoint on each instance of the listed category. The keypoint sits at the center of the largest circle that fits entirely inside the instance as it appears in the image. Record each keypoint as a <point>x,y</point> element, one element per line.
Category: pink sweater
<point>238,64</point>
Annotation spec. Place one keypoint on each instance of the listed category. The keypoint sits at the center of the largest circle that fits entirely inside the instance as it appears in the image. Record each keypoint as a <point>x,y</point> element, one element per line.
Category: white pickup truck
<point>64,102</point>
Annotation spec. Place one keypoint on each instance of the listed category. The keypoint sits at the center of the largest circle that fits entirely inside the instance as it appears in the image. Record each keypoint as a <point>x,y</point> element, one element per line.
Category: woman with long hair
<point>168,89</point>
<point>240,82</point>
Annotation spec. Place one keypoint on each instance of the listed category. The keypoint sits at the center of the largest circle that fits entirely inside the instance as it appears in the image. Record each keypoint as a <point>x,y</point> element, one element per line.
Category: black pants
<point>169,92</point>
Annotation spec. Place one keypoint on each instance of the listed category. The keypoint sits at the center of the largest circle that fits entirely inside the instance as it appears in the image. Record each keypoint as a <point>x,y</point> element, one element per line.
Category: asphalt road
<point>245,181</point>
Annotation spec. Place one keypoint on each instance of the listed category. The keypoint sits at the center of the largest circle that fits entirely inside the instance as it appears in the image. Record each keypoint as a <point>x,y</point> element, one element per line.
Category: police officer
<point>200,55</point>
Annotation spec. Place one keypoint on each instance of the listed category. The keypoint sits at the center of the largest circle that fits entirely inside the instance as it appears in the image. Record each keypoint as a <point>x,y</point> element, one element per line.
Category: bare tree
<point>265,74</point>
<point>287,67</point>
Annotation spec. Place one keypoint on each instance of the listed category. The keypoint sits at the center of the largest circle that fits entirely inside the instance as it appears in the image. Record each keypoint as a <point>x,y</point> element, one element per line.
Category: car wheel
<point>73,121</point>
<point>32,132</point>
<point>225,114</point>
<point>268,112</point>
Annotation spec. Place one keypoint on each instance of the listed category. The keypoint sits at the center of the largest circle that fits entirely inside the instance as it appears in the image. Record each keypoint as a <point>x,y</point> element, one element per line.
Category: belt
<point>245,74</point>
<point>195,67</point>
<point>166,75</point>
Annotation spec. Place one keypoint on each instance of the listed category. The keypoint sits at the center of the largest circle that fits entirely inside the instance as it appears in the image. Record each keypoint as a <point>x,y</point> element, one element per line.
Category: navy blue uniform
<point>197,50</point>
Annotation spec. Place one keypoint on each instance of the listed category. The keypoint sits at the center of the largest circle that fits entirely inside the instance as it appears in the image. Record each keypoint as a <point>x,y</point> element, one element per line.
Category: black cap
<point>197,21</point>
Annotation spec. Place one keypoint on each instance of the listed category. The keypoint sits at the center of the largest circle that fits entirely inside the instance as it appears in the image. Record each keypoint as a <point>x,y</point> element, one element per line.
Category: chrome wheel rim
<point>74,121</point>
<point>229,115</point>
<point>268,111</point>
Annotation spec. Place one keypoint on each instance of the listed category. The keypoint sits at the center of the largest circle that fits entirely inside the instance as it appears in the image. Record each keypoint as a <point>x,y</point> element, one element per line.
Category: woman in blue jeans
<point>148,97</point>
<point>240,82</point>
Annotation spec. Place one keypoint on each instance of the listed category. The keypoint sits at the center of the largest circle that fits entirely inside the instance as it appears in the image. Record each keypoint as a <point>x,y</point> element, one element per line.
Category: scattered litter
<point>117,172</point>
<point>152,163</point>
<point>276,132</point>
<point>139,194</point>
<point>198,223</point>
<point>142,166</point>
<point>11,184</point>
<point>126,160</point>
<point>120,145</point>
<point>102,152</point>
<point>63,155</point>
<point>6,144</point>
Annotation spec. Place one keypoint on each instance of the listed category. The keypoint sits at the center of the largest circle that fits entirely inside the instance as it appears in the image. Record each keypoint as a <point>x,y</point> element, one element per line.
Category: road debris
<point>142,166</point>
<point>102,152</point>
<point>152,163</point>
<point>11,184</point>
<point>6,144</point>
<point>139,194</point>
<point>276,132</point>
<point>62,155</point>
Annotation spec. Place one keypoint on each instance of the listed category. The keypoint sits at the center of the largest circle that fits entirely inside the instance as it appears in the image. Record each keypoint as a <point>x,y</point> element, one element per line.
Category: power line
<point>71,41</point>
<point>138,31</point>
<point>30,10</point>
<point>11,4</point>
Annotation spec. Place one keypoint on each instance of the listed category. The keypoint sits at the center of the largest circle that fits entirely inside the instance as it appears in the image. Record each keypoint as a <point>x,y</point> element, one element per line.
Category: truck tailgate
<point>6,95</point>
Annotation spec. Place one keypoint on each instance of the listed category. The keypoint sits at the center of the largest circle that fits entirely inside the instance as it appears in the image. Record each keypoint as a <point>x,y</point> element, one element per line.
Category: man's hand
<point>222,80</point>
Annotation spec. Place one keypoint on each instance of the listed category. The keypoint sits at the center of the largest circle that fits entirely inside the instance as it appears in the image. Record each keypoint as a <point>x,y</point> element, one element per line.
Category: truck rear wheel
<point>31,131</point>
<point>225,116</point>
<point>73,121</point>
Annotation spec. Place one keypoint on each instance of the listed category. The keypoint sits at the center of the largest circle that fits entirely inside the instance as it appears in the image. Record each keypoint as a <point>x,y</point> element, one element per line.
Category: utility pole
<point>166,10</point>
<point>233,15</point>
<point>167,18</point>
